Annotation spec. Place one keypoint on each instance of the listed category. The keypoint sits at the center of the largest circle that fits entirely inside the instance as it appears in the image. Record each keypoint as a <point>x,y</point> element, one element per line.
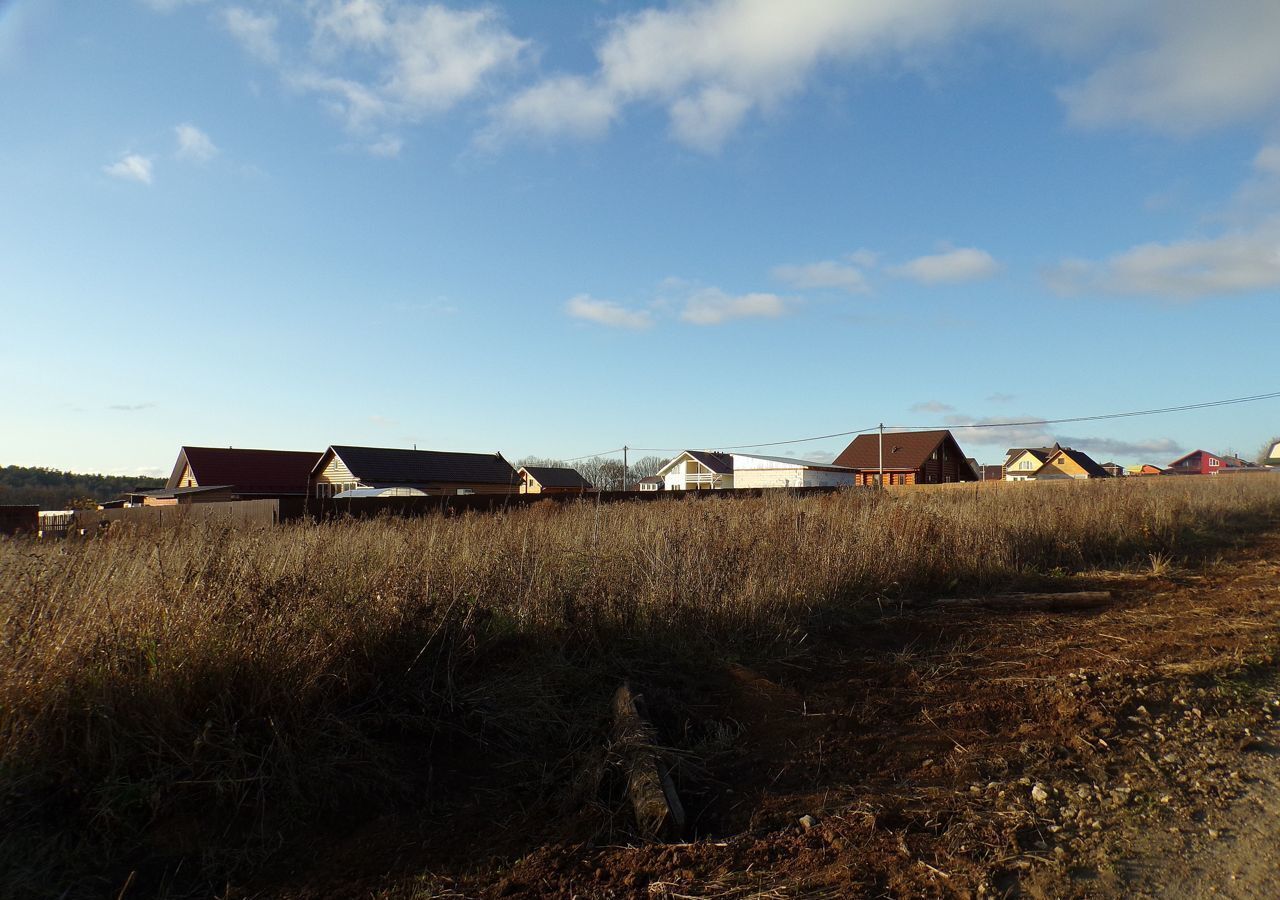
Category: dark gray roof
<point>720,463</point>
<point>557,476</point>
<point>380,465</point>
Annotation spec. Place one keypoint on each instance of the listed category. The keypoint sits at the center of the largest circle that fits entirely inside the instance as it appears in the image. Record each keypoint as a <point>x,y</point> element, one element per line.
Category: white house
<point>695,470</point>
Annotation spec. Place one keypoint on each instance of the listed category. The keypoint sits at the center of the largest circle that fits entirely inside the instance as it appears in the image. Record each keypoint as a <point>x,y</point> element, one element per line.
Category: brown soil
<point>941,752</point>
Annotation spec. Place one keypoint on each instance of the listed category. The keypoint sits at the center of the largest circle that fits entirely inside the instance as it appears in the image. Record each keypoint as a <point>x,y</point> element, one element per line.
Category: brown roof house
<point>208,474</point>
<point>910,457</point>
<point>344,468</point>
<point>1022,463</point>
<point>552,480</point>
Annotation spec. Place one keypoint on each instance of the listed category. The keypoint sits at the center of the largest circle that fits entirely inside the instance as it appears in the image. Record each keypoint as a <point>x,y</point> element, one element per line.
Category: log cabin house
<point>910,457</point>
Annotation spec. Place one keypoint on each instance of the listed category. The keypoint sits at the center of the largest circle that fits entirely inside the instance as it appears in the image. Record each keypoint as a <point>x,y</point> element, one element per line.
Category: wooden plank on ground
<point>653,794</point>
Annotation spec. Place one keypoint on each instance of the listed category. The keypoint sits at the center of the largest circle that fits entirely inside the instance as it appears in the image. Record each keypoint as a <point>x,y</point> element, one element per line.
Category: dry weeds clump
<point>195,693</point>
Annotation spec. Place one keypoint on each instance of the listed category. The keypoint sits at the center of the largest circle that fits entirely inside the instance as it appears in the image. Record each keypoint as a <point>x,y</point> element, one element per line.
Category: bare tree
<point>1264,452</point>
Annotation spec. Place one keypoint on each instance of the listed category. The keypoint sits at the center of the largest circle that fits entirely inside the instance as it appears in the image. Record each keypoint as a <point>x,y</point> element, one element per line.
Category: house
<point>208,474</point>
<point>1065,463</point>
<point>650,483</point>
<point>1273,458</point>
<point>1115,470</point>
<point>696,470</point>
<point>909,457</point>
<point>1146,469</point>
<point>1022,463</point>
<point>552,480</point>
<point>991,472</point>
<point>1202,462</point>
<point>344,468</point>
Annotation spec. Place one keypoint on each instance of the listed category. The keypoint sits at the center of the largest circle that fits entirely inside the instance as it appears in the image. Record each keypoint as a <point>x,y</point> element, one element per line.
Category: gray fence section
<point>237,512</point>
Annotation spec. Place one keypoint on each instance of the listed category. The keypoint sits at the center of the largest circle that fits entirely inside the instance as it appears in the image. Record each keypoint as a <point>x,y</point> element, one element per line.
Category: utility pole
<point>624,467</point>
<point>880,477</point>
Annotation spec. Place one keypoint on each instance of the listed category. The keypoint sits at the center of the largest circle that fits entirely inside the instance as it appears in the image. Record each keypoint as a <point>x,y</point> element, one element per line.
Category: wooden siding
<point>186,479</point>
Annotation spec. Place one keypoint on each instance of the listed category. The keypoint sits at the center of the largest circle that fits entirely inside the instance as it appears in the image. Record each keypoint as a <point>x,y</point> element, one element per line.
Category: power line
<point>901,428</point>
<point>1121,415</point>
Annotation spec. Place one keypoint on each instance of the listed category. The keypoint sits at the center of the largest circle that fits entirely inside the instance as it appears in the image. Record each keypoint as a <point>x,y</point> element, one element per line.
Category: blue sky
<point>554,229</point>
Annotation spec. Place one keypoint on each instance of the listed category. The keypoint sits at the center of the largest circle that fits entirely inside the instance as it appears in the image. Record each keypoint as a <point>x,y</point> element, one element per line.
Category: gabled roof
<point>902,450</point>
<point>1040,453</point>
<point>720,463</point>
<point>381,465</point>
<point>248,471</point>
<point>1085,461</point>
<point>650,479</point>
<point>557,477</point>
<point>1236,462</point>
<point>1182,459</point>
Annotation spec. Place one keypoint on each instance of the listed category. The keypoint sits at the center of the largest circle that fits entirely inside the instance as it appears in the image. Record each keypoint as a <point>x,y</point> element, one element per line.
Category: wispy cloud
<point>382,64</point>
<point>999,397</point>
<point>949,267</point>
<point>824,275</point>
<point>712,306</point>
<point>131,407</point>
<point>608,313</point>
<point>131,167</point>
<point>193,144</point>
<point>256,33</point>
<point>1237,262</point>
<point>932,406</point>
<point>388,147</point>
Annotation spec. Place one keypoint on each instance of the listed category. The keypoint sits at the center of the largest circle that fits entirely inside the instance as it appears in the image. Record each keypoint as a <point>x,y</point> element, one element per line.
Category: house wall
<point>867,478</point>
<point>334,477</point>
<point>769,478</point>
<point>1022,467</point>
<point>1062,466</point>
<point>186,479</point>
<point>690,475</point>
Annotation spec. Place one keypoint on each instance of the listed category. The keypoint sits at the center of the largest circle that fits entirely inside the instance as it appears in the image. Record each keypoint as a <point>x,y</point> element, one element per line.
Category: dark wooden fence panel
<point>23,519</point>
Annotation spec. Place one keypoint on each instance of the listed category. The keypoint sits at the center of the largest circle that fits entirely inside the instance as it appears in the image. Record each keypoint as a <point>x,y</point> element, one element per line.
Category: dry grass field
<point>182,710</point>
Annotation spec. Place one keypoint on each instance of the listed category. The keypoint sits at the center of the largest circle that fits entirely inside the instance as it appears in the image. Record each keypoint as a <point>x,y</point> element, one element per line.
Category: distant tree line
<point>604,472</point>
<point>52,489</point>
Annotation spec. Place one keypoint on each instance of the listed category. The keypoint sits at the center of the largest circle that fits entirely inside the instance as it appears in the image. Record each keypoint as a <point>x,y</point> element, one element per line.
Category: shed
<point>752,470</point>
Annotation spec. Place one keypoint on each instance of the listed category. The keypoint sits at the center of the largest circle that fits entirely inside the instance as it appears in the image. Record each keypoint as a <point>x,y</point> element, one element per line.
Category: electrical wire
<point>1254,398</point>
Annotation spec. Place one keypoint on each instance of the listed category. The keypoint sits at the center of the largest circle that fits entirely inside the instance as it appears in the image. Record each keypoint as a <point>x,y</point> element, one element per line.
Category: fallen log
<point>649,785</point>
<point>1034,601</point>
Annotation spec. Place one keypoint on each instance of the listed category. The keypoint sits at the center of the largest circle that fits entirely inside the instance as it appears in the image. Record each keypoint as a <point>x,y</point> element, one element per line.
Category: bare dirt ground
<point>1126,751</point>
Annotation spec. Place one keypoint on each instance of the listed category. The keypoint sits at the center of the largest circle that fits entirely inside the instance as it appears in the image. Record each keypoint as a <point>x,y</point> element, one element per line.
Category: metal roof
<point>557,477</point>
<point>382,465</point>
<point>251,471</point>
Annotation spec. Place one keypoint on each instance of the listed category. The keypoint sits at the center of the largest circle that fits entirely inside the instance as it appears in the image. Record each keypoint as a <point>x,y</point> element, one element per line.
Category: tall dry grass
<point>192,694</point>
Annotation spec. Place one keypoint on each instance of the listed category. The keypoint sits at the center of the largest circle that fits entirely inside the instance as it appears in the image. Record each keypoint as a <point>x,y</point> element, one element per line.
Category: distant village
<point>342,475</point>
<point>211,474</point>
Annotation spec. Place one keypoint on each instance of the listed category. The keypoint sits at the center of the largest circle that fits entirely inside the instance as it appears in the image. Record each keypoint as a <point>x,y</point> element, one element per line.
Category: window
<point>1213,463</point>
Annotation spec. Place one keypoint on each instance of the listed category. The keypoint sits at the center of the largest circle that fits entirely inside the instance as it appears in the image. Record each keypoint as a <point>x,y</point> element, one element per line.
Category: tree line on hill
<point>604,472</point>
<point>53,489</point>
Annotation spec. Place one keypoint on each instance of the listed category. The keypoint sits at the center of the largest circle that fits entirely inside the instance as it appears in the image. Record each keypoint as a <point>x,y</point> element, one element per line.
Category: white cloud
<point>712,306</point>
<point>932,406</point>
<point>166,6</point>
<point>711,64</point>
<point>1268,159</point>
<point>1183,66</point>
<point>950,266</point>
<point>255,33</point>
<point>824,275</point>
<point>565,105</point>
<point>383,62</point>
<point>194,144</point>
<point>388,147</point>
<point>1236,262</point>
<point>606,312</point>
<point>131,167</point>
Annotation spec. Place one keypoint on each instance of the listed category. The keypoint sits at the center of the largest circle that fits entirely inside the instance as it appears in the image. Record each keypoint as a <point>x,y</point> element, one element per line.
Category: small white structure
<point>1273,458</point>
<point>696,470</point>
